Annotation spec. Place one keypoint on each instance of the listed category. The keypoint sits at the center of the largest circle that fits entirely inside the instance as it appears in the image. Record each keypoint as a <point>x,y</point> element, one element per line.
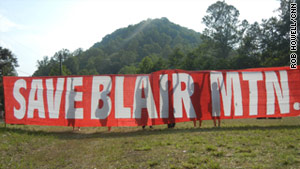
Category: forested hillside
<point>154,44</point>
<point>124,49</point>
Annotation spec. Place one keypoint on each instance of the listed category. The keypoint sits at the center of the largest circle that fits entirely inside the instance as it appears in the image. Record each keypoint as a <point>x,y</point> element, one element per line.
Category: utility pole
<point>60,64</point>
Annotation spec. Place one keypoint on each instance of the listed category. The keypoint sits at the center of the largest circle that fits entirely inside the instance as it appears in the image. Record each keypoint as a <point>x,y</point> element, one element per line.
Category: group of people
<point>170,125</point>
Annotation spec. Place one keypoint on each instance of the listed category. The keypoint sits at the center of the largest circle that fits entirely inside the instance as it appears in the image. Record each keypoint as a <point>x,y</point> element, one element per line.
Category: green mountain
<point>125,48</point>
<point>153,36</point>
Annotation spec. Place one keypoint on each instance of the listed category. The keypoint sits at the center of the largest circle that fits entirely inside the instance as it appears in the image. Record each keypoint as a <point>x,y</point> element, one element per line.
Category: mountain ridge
<point>143,25</point>
<point>128,46</point>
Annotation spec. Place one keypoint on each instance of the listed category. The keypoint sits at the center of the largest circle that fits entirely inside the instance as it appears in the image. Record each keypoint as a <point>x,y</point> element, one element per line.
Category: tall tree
<point>222,26</point>
<point>249,51</point>
<point>276,36</point>
<point>159,64</point>
<point>272,44</point>
<point>51,67</point>
<point>55,71</point>
<point>128,70</point>
<point>8,63</point>
<point>63,54</point>
<point>43,67</point>
<point>175,59</point>
<point>146,65</point>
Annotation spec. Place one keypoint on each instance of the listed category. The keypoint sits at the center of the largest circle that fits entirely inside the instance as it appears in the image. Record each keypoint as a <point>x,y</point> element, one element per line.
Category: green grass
<point>247,143</point>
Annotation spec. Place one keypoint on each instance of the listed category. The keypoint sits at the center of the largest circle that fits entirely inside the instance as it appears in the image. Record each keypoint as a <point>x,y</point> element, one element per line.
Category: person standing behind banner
<point>219,122</point>
<point>149,127</point>
<point>216,103</point>
<point>214,120</point>
<point>195,123</point>
<point>171,125</point>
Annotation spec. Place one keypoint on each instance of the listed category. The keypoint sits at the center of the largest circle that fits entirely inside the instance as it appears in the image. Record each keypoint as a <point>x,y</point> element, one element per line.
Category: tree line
<point>226,43</point>
<point>152,45</point>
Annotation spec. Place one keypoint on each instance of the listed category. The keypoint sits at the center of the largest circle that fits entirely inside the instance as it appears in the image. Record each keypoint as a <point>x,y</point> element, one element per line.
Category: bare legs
<point>215,123</point>
<point>195,123</point>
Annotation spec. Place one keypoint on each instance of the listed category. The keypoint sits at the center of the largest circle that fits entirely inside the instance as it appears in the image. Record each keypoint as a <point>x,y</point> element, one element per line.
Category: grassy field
<point>248,143</point>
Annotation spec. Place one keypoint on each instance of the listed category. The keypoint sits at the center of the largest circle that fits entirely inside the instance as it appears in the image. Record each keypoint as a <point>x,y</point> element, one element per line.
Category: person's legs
<point>215,123</point>
<point>173,125</point>
<point>78,128</point>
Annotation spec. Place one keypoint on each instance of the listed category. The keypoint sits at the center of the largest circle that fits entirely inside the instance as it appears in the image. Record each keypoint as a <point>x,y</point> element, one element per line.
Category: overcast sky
<point>32,29</point>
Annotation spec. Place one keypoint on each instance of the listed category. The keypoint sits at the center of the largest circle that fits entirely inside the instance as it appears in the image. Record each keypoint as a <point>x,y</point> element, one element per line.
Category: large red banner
<point>162,97</point>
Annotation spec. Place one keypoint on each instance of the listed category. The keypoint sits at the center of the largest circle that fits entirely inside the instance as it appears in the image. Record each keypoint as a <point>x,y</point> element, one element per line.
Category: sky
<point>32,29</point>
